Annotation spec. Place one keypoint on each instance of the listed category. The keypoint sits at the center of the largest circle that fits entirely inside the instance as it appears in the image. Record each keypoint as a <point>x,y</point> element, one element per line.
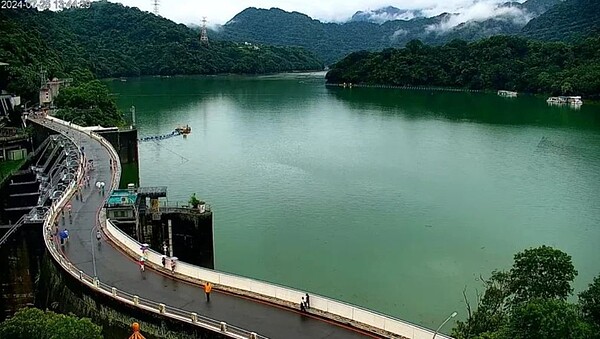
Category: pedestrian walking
<point>164,261</point>
<point>98,235</point>
<point>165,248</point>
<point>307,301</point>
<point>172,265</point>
<point>142,261</point>
<point>302,305</point>
<point>207,289</point>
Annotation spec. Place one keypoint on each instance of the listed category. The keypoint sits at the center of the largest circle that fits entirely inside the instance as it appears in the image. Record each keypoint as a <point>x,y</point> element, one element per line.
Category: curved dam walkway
<point>115,268</point>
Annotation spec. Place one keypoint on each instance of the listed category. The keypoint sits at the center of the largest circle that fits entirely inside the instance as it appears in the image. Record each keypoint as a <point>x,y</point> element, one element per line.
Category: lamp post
<point>93,251</point>
<point>444,323</point>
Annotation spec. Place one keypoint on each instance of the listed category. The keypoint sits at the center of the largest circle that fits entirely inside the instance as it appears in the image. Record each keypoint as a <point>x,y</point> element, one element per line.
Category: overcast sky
<point>220,11</point>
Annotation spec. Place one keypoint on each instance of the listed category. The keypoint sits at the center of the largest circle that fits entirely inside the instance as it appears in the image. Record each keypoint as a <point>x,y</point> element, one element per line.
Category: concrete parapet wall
<point>333,309</point>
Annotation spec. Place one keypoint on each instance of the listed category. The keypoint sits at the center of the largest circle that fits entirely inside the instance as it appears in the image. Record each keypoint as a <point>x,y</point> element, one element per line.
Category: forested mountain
<point>328,40</point>
<point>332,41</point>
<point>537,7</point>
<point>567,21</point>
<point>112,40</point>
<point>500,62</point>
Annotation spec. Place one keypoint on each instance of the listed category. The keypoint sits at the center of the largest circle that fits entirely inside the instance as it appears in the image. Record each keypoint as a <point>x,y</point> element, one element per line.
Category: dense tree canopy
<point>88,104</point>
<point>32,323</point>
<point>546,318</point>
<point>567,21</point>
<point>500,62</point>
<point>590,302</point>
<point>529,301</point>
<point>542,272</point>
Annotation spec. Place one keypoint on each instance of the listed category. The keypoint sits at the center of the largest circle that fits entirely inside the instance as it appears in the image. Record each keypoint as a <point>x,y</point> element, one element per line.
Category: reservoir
<point>394,200</point>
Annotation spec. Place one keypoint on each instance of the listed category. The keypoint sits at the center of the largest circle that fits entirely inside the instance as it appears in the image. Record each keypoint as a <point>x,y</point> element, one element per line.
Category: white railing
<point>278,294</point>
<point>110,291</point>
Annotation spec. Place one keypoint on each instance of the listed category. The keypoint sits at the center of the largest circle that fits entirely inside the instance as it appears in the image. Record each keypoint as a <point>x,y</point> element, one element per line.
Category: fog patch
<point>478,12</point>
<point>398,34</point>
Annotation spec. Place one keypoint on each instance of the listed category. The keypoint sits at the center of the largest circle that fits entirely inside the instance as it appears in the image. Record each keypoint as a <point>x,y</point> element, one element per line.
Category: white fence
<point>122,296</point>
<point>280,294</point>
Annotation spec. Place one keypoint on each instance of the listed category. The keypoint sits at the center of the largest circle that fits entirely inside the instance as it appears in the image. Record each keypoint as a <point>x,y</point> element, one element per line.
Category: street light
<point>444,323</point>
<point>93,252</point>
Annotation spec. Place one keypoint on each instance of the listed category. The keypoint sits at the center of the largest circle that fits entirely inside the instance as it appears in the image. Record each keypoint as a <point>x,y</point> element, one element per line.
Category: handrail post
<point>161,308</point>
<point>223,326</point>
<point>253,335</point>
<point>194,317</point>
<point>114,291</point>
<point>136,300</point>
<point>96,282</point>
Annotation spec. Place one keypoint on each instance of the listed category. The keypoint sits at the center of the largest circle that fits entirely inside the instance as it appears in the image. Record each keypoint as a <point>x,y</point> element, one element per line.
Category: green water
<point>393,200</point>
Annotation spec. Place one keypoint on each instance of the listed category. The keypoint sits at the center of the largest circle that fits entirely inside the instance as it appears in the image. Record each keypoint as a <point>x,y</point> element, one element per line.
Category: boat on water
<point>508,94</point>
<point>565,100</point>
<point>184,129</point>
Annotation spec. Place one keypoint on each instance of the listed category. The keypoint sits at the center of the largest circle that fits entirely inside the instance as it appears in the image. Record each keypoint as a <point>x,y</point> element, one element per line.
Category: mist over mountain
<point>371,30</point>
<point>388,13</point>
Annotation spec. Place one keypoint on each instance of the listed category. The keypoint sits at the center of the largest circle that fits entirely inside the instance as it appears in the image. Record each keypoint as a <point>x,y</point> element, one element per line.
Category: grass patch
<point>7,168</point>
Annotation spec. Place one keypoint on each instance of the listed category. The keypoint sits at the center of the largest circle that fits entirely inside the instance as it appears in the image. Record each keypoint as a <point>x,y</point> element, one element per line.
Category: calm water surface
<point>392,200</point>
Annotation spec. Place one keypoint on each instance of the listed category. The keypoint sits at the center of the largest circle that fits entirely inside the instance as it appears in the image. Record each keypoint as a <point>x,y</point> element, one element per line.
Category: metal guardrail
<point>188,210</point>
<point>12,230</point>
<point>108,290</point>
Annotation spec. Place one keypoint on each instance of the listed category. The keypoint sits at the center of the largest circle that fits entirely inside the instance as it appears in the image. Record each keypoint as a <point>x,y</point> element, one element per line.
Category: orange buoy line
<point>181,130</point>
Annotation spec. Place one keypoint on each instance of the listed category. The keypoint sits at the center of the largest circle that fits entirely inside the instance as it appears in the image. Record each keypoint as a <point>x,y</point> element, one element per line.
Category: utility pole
<point>170,226</point>
<point>203,32</point>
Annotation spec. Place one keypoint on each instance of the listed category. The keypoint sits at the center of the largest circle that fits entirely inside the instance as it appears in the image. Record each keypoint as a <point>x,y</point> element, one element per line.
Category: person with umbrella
<point>64,236</point>
<point>144,249</point>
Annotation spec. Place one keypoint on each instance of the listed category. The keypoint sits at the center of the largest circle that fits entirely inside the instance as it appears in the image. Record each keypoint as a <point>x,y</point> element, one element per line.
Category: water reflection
<point>475,107</point>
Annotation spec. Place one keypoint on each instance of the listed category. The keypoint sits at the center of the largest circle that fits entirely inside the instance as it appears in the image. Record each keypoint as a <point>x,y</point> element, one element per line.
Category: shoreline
<point>588,100</point>
<point>212,75</point>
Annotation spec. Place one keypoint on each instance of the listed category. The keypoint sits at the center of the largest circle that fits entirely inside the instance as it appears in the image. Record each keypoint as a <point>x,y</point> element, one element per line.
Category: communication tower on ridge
<point>155,4</point>
<point>203,33</point>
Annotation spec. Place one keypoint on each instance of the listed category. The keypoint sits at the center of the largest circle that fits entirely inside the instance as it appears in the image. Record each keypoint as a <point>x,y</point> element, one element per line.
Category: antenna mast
<point>155,3</point>
<point>203,33</point>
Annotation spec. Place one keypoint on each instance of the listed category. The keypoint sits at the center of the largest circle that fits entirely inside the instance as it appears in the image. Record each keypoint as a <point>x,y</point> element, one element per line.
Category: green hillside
<point>500,62</point>
<point>112,40</point>
<point>567,21</point>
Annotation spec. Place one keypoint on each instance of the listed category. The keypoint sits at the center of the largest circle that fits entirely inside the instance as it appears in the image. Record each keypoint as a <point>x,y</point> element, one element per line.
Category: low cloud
<point>219,12</point>
<point>397,34</point>
<point>383,17</point>
<point>480,11</point>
